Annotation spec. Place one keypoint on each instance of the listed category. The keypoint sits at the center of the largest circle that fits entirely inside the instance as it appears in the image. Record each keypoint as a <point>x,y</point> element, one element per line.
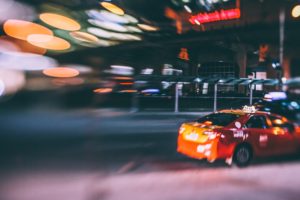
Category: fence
<point>205,102</point>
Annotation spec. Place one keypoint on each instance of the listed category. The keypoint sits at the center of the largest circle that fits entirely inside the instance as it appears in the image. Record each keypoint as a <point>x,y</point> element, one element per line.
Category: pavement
<point>177,180</point>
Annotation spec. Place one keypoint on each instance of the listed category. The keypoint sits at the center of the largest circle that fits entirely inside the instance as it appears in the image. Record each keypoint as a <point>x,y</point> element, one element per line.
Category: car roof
<point>242,112</point>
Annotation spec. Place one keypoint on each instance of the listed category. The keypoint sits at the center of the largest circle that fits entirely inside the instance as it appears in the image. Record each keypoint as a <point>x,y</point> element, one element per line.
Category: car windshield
<point>219,119</point>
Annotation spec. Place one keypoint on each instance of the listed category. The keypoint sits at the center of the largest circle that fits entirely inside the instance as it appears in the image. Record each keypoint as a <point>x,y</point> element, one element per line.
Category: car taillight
<point>211,134</point>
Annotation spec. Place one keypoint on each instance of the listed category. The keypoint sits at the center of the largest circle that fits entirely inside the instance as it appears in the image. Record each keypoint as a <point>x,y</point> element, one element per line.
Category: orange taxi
<point>237,136</point>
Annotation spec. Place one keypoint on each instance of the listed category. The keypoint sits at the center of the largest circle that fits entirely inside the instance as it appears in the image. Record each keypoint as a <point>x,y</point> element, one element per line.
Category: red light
<point>126,83</point>
<point>220,15</point>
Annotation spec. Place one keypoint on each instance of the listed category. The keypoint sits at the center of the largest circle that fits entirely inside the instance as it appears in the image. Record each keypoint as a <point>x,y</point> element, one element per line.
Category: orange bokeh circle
<point>22,29</point>
<point>48,42</point>
<point>60,21</point>
<point>61,72</point>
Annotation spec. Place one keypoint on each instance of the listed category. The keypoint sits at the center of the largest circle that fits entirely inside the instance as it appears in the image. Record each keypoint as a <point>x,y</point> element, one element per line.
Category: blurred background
<point>92,93</point>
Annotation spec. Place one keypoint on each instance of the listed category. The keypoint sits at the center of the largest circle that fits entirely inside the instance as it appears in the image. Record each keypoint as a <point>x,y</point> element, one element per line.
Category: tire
<point>242,155</point>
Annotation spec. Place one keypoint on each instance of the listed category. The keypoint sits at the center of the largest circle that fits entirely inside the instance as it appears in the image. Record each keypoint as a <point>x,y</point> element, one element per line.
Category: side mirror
<point>291,127</point>
<point>208,123</point>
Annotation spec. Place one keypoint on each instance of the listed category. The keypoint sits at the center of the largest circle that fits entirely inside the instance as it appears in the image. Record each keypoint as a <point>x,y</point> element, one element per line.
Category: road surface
<point>113,155</point>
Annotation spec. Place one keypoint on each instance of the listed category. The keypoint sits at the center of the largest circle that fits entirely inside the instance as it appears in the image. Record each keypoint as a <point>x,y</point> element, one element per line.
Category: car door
<point>284,134</point>
<point>260,136</point>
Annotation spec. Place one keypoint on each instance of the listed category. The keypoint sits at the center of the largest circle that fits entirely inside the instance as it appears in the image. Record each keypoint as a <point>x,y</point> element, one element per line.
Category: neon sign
<point>219,15</point>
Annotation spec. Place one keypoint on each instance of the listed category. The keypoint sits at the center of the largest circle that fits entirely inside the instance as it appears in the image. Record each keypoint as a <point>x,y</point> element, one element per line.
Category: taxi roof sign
<point>249,109</point>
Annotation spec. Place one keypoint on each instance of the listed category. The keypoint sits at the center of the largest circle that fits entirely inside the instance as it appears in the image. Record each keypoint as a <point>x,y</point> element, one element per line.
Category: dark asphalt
<point>49,137</point>
<point>49,151</point>
<point>90,137</point>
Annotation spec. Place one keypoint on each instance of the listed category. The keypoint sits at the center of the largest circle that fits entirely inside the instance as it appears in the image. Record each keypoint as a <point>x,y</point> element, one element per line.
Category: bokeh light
<point>131,19</point>
<point>100,32</point>
<point>121,70</point>
<point>2,87</point>
<point>296,11</point>
<point>7,45</point>
<point>61,72</point>
<point>122,78</point>
<point>108,25</point>
<point>84,37</point>
<point>112,8</point>
<point>126,83</point>
<point>25,61</point>
<point>147,27</point>
<point>133,29</point>
<point>128,91</point>
<point>102,90</point>
<point>11,81</point>
<point>83,69</point>
<point>12,44</point>
<point>112,35</point>
<point>48,42</point>
<point>60,21</point>
<point>67,81</point>
<point>22,29</point>
<point>104,15</point>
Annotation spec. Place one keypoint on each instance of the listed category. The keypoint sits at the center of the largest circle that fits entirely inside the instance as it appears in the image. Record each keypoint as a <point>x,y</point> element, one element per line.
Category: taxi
<point>237,136</point>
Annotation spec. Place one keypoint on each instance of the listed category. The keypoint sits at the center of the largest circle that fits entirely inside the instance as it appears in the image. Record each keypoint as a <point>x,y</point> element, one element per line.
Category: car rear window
<point>219,119</point>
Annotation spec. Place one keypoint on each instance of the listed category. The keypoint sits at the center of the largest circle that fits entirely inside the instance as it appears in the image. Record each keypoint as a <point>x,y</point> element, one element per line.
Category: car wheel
<point>242,155</point>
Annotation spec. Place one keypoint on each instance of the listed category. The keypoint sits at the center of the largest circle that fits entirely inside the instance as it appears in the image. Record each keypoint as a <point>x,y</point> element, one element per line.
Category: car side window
<point>281,123</point>
<point>257,122</point>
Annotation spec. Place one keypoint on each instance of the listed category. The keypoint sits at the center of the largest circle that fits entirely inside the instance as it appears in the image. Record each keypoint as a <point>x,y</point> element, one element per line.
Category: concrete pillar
<point>241,59</point>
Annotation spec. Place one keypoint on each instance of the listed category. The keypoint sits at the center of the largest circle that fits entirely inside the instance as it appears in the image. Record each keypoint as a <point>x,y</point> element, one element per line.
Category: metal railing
<point>215,82</point>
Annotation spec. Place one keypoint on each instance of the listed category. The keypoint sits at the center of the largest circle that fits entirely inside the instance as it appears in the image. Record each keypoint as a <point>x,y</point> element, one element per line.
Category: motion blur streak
<point>126,83</point>
<point>20,11</point>
<point>29,61</point>
<point>112,35</point>
<point>108,25</point>
<point>103,90</point>
<point>2,87</point>
<point>147,27</point>
<point>128,91</point>
<point>83,69</point>
<point>104,15</point>
<point>122,78</point>
<point>84,37</point>
<point>67,81</point>
<point>121,70</point>
<point>11,81</point>
<point>8,43</point>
